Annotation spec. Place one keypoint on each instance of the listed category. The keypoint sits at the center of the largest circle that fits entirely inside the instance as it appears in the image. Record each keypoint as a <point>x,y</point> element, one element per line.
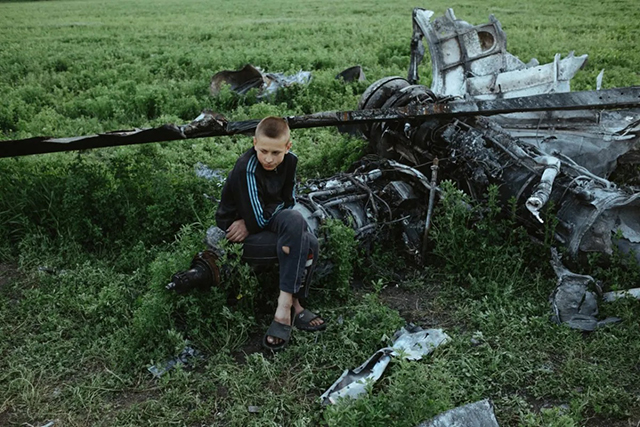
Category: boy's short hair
<point>273,127</point>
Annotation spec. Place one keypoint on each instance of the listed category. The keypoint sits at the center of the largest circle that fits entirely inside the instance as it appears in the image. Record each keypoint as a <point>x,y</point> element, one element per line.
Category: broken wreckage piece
<point>410,344</point>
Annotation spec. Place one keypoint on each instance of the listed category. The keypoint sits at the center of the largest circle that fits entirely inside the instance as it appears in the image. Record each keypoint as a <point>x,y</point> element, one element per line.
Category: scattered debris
<point>204,171</point>
<point>478,414</point>
<point>572,301</point>
<point>354,383</point>
<point>214,238</point>
<point>250,77</point>
<point>411,344</point>
<point>253,409</point>
<point>185,358</point>
<point>48,270</point>
<point>352,74</point>
<point>477,339</point>
<point>616,295</point>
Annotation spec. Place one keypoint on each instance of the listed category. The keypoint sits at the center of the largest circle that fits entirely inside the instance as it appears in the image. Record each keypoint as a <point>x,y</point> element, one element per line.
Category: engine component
<point>202,275</point>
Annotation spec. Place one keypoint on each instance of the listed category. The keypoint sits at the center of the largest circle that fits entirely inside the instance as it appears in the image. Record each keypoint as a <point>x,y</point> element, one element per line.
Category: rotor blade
<point>210,124</point>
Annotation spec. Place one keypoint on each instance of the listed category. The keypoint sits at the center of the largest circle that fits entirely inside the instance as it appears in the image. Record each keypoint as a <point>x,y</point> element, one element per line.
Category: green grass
<point>114,224</point>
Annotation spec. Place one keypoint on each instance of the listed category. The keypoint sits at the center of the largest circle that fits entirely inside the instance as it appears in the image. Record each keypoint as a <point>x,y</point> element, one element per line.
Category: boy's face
<point>271,151</point>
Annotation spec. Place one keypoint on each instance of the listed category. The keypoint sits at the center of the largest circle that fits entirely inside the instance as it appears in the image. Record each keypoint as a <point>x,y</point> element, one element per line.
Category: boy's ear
<point>288,145</point>
<point>254,141</point>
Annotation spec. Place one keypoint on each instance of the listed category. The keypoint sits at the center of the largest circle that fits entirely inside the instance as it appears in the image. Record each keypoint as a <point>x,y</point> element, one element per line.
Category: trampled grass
<point>87,240</point>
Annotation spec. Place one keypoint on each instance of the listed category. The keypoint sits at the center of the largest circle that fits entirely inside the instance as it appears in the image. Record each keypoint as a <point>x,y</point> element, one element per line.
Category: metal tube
<point>432,196</point>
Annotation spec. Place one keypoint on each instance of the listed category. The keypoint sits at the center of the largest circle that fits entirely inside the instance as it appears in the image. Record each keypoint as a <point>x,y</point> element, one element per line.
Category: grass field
<point>88,240</point>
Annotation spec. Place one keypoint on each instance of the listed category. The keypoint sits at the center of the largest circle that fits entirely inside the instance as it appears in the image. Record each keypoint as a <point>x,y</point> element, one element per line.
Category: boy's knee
<point>286,249</point>
<point>293,218</point>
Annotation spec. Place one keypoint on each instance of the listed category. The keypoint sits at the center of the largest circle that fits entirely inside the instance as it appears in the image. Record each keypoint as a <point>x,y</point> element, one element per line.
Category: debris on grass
<point>478,414</point>
<point>411,343</point>
<point>186,357</point>
<point>204,171</point>
<point>352,74</point>
<point>572,301</point>
<point>251,77</point>
<point>616,295</point>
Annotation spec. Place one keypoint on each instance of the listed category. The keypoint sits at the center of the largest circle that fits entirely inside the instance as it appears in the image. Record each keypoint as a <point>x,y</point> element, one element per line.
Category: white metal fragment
<point>478,414</point>
<point>408,345</point>
<point>616,295</point>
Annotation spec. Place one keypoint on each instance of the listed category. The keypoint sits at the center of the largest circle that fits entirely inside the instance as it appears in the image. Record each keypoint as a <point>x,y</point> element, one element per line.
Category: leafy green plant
<point>339,252</point>
<point>475,245</point>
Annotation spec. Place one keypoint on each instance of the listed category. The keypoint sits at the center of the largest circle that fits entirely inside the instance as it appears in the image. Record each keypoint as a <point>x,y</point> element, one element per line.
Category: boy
<point>255,211</point>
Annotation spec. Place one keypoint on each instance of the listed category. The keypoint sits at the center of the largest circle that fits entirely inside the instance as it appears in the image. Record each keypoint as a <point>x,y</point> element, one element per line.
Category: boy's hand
<point>237,231</point>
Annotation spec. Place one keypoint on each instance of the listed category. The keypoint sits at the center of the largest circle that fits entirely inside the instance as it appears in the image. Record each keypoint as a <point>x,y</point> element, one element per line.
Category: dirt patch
<point>541,405</point>
<point>598,421</point>
<point>8,273</point>
<point>417,305</point>
<point>127,399</point>
<point>604,422</point>
<point>253,345</point>
<point>5,417</point>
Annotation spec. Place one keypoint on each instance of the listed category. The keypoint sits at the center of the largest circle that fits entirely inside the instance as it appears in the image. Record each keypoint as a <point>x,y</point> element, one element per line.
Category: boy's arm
<point>289,189</point>
<point>248,199</point>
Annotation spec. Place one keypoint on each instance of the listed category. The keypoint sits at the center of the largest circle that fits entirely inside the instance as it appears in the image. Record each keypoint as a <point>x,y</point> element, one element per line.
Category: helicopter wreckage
<point>490,118</point>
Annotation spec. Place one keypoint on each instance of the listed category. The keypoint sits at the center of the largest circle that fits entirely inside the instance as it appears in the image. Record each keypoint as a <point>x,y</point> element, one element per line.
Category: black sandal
<point>303,321</point>
<point>277,330</point>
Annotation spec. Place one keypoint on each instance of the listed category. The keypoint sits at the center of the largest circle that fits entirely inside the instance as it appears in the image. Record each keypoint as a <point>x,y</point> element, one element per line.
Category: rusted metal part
<point>352,74</point>
<point>379,198</point>
<point>239,81</point>
<point>203,274</point>
<point>250,77</point>
<point>207,124</point>
<point>210,124</point>
<point>43,144</point>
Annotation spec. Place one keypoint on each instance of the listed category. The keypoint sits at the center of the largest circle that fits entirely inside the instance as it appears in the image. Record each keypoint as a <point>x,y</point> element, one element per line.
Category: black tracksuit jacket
<point>255,194</point>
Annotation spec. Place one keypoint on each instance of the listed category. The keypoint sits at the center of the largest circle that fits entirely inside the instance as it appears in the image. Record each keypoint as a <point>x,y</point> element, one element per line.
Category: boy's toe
<point>277,336</point>
<point>309,321</point>
<point>273,340</point>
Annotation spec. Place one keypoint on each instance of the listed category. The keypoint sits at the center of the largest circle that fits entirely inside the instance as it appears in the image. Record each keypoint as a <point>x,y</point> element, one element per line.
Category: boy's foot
<point>308,321</point>
<point>277,332</point>
<point>281,321</point>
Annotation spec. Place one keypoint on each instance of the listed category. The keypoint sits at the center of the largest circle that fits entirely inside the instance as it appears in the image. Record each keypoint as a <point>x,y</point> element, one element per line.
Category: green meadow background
<point>89,239</point>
